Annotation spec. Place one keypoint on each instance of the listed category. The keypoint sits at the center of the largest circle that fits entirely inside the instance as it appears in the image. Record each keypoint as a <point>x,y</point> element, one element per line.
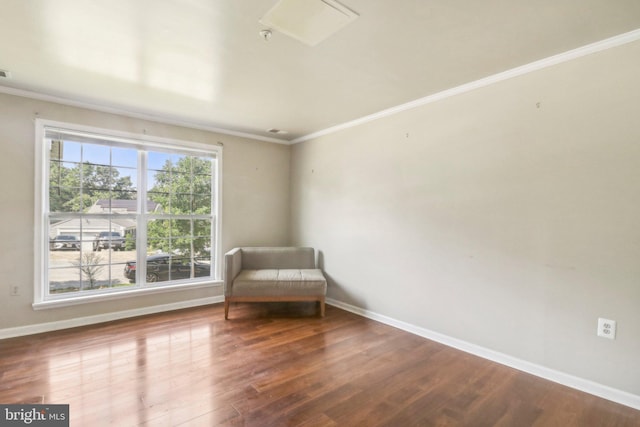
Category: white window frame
<point>141,142</point>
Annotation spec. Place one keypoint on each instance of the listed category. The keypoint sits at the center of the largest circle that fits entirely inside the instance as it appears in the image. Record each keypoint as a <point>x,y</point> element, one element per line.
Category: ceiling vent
<point>309,21</point>
<point>277,131</point>
<point>6,74</point>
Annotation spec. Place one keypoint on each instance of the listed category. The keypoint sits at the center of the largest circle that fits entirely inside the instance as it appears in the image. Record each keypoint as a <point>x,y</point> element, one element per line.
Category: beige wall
<point>255,202</point>
<point>508,217</point>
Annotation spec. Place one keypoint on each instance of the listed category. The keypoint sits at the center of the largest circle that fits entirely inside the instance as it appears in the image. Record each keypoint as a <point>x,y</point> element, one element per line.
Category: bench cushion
<point>259,258</point>
<point>279,282</point>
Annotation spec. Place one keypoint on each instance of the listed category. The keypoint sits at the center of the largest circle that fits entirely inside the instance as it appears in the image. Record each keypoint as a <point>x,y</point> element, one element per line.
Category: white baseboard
<point>596,389</point>
<point>106,317</point>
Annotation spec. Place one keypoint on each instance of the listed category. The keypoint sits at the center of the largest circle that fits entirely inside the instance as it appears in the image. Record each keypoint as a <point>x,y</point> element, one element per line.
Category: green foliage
<point>77,188</point>
<point>129,241</point>
<point>182,188</point>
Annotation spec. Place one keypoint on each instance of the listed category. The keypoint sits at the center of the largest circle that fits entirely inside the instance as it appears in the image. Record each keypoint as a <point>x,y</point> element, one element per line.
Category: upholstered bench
<point>264,274</point>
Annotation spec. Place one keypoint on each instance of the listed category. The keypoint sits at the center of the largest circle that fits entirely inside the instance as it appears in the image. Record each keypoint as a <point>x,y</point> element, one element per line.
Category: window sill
<point>86,299</point>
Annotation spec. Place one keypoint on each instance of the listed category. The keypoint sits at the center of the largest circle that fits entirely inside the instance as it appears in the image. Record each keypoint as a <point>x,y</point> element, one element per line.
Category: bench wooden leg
<point>226,309</point>
<point>322,307</point>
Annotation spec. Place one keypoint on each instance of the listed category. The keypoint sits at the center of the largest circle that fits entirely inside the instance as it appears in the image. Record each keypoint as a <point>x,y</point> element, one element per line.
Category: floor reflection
<point>161,369</point>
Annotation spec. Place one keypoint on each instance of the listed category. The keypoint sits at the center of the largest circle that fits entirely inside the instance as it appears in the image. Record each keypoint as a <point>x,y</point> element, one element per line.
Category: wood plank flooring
<point>279,364</point>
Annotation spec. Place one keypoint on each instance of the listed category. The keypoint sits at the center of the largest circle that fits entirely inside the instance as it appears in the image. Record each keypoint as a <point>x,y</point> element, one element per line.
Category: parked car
<point>64,242</point>
<point>163,267</point>
<point>108,239</point>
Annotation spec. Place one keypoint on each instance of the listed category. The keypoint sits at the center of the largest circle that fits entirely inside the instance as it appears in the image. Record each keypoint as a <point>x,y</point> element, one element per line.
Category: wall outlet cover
<point>607,328</point>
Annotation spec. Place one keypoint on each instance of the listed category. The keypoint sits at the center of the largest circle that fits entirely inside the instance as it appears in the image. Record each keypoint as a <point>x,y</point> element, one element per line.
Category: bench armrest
<point>232,267</point>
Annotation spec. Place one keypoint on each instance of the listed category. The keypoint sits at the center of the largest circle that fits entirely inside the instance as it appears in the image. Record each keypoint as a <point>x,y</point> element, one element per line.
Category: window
<point>120,214</point>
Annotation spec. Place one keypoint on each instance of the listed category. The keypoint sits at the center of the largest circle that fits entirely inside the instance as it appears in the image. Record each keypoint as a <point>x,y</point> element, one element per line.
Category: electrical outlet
<point>607,328</point>
<point>15,290</point>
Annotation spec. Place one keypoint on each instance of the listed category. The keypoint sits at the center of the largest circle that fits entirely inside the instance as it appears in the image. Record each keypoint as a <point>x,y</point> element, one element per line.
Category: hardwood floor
<point>279,364</point>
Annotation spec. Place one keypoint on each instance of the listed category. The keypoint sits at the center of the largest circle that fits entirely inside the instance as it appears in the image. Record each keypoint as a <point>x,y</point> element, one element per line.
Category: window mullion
<point>141,232</point>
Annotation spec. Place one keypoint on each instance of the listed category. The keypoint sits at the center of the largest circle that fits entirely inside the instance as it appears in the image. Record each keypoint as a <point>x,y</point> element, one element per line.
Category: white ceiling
<point>203,62</point>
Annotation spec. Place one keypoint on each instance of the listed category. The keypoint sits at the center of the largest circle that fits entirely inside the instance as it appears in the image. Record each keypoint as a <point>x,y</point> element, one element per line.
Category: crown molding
<point>589,49</point>
<point>136,115</point>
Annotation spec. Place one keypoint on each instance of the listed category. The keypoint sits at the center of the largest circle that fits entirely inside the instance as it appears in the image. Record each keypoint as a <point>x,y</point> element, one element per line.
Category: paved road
<point>64,267</point>
<point>66,271</point>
